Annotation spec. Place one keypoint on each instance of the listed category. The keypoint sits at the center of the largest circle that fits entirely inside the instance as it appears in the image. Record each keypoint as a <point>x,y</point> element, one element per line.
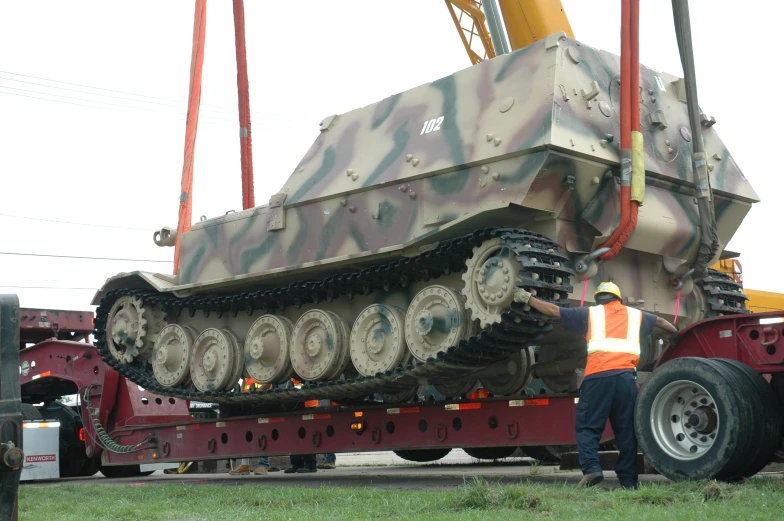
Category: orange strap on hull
<point>194,101</point>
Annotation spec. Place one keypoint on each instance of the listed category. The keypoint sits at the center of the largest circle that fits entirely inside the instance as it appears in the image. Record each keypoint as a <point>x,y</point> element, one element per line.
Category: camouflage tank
<point>391,255</point>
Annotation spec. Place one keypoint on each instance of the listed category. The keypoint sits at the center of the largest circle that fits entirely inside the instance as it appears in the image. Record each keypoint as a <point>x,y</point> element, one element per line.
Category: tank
<point>390,258</point>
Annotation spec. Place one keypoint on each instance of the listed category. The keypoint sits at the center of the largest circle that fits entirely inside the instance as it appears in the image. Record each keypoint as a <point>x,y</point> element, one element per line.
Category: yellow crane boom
<point>525,22</point>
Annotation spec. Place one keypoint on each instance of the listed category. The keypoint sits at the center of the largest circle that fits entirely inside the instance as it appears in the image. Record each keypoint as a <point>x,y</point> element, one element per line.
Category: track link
<point>722,293</point>
<point>542,264</point>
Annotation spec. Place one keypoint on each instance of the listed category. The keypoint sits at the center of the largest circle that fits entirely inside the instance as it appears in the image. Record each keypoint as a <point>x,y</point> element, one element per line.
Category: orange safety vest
<point>250,384</point>
<point>613,338</point>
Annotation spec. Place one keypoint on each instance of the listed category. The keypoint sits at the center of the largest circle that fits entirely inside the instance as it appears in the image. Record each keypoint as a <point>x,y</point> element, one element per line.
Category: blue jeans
<point>601,398</point>
<point>263,461</point>
<point>305,460</point>
<point>329,458</point>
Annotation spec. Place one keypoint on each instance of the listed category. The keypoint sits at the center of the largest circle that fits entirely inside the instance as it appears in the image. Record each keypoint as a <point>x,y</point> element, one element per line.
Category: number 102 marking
<point>432,125</point>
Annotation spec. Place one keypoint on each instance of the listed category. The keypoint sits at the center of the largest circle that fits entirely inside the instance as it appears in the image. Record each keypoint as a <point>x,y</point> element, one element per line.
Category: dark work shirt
<point>576,319</point>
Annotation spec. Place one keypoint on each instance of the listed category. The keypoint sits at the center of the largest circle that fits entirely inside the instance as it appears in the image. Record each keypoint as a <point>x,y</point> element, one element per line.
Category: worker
<point>244,467</point>
<point>328,462</point>
<point>609,389</point>
<point>302,464</point>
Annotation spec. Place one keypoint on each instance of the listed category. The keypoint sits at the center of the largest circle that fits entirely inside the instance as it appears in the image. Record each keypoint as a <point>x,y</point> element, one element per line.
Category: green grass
<point>477,499</point>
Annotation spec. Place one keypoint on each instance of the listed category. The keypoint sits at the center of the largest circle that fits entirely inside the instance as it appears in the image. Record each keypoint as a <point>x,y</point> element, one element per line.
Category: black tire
<point>90,468</point>
<point>423,455</point>
<point>729,450</point>
<point>123,471</point>
<point>768,422</point>
<point>548,454</point>
<point>490,453</point>
<point>29,412</point>
<point>72,449</point>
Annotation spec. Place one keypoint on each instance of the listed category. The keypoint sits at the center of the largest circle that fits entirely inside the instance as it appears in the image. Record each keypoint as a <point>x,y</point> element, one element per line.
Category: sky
<point>93,101</point>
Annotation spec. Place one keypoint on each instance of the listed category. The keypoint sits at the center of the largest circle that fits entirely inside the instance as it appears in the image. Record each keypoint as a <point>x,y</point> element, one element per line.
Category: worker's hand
<point>521,296</point>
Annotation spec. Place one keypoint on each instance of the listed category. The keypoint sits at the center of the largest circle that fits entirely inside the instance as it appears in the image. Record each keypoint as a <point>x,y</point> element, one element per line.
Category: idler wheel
<point>378,341</point>
<point>319,349</point>
<point>214,362</point>
<point>436,320</point>
<point>267,350</point>
<point>171,356</point>
<point>490,281</point>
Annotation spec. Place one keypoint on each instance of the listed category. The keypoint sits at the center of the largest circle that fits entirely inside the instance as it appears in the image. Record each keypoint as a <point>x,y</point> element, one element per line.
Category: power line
<point>287,116</point>
<point>73,223</point>
<point>78,257</point>
<point>173,104</point>
<point>173,115</point>
<point>182,118</point>
<point>177,115</point>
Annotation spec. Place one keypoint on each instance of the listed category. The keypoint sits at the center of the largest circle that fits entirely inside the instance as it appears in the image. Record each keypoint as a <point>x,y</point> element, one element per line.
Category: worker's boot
<point>591,480</point>
<point>260,471</point>
<point>325,465</point>
<point>242,470</point>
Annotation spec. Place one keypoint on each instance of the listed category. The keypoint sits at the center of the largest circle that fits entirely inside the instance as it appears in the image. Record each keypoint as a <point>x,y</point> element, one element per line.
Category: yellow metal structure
<point>528,21</point>
<point>759,301</point>
<point>470,22</point>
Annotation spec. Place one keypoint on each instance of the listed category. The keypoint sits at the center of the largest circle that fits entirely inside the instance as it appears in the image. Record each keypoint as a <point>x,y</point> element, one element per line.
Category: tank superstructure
<point>422,205</point>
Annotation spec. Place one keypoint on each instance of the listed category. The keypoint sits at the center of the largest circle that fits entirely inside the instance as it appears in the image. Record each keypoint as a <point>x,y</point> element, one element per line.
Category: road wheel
<point>768,424</point>
<point>422,456</point>
<point>490,453</point>
<point>694,421</point>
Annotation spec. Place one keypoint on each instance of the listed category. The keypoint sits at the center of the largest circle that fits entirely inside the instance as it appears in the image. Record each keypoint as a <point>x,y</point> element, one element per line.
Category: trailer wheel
<point>121,471</point>
<point>548,454</point>
<point>694,420</point>
<point>490,453</point>
<point>72,449</point>
<point>89,469</point>
<point>768,424</point>
<point>423,455</point>
<point>29,412</point>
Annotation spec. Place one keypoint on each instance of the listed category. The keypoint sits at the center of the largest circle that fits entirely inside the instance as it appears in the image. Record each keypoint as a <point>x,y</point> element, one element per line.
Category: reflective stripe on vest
<point>618,341</point>
<point>616,346</point>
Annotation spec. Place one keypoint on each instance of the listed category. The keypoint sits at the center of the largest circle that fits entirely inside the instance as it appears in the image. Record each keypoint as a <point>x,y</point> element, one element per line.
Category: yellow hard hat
<point>608,287</point>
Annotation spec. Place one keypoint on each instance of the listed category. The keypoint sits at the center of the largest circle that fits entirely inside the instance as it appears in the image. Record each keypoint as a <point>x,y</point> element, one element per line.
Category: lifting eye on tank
<point>165,236</point>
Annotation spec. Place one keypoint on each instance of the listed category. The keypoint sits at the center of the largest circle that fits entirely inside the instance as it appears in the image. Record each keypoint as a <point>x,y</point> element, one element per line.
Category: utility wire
<point>78,257</point>
<point>203,106</point>
<point>74,223</point>
<point>175,115</point>
<point>206,120</point>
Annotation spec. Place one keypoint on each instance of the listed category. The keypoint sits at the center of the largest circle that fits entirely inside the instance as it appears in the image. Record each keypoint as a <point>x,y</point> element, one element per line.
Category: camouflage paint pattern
<point>528,139</point>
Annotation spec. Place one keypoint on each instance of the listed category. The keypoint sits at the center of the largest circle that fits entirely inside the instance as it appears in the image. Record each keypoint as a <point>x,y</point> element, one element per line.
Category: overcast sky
<point>116,165</point>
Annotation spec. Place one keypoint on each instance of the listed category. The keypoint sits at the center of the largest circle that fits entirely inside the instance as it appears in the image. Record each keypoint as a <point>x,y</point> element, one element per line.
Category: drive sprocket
<point>490,281</point>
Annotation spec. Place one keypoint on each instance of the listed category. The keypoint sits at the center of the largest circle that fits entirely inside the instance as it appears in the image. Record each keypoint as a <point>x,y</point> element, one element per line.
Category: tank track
<point>541,262</point>
<point>722,293</point>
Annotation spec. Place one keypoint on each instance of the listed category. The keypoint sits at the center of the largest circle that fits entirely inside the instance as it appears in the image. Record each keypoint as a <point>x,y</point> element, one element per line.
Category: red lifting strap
<point>243,99</point>
<point>194,100</point>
